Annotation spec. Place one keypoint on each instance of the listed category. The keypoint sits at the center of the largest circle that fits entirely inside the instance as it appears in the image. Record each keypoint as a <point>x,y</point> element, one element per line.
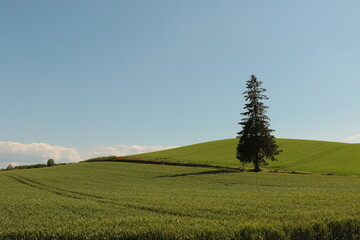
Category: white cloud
<point>352,138</point>
<point>121,150</point>
<point>16,153</point>
<point>20,153</point>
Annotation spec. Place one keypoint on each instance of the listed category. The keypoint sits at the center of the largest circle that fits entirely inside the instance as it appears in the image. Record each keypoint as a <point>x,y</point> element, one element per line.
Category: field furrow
<point>107,200</point>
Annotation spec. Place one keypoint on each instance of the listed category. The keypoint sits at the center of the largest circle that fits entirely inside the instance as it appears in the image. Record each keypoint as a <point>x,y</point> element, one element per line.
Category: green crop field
<point>297,155</point>
<point>119,200</point>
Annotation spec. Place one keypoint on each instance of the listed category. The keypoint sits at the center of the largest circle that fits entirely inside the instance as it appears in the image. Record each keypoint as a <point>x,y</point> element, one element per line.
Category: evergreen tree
<point>10,167</point>
<point>256,142</point>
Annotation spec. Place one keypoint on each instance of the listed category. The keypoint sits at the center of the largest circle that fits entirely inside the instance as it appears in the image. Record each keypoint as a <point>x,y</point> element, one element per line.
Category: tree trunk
<point>256,165</point>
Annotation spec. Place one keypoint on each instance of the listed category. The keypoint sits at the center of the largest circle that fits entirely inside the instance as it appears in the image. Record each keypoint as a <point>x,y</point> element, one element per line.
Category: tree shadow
<point>198,173</point>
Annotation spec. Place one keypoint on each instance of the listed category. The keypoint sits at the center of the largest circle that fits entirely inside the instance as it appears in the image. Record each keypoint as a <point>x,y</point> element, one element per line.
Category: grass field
<point>297,155</point>
<point>117,200</point>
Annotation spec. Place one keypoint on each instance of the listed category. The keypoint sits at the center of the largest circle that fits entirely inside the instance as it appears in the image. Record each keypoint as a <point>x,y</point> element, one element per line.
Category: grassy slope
<point>298,155</point>
<point>136,201</point>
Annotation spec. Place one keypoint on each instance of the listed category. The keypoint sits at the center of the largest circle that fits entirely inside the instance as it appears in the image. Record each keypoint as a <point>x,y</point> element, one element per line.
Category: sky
<point>85,78</point>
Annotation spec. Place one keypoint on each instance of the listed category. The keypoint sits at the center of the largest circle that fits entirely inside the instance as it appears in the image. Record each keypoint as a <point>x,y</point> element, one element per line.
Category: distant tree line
<point>49,163</point>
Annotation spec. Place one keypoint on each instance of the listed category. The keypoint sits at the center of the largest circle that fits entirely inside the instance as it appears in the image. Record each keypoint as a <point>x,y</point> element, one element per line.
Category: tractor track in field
<point>41,188</point>
<point>61,189</point>
<point>85,196</point>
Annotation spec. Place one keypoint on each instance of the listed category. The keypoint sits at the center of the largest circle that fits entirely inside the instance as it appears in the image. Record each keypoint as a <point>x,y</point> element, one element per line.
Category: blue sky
<point>85,77</point>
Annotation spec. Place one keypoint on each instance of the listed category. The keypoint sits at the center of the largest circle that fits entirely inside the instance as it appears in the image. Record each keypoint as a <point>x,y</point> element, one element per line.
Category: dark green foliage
<point>108,158</point>
<point>256,141</point>
<point>39,165</point>
<point>10,167</point>
<point>50,163</point>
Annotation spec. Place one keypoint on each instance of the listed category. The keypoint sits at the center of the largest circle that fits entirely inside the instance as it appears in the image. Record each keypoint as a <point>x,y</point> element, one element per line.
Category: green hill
<point>126,200</point>
<point>297,155</point>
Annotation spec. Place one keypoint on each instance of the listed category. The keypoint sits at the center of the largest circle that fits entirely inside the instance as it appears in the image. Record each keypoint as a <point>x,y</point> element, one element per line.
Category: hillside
<point>298,155</point>
<point>108,200</point>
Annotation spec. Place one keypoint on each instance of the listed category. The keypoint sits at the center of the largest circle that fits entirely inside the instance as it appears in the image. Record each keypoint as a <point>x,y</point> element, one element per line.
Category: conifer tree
<point>256,142</point>
<point>10,167</point>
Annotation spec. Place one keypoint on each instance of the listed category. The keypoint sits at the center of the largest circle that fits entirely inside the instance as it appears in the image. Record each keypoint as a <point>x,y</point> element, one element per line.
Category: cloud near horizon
<point>352,138</point>
<point>16,153</point>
